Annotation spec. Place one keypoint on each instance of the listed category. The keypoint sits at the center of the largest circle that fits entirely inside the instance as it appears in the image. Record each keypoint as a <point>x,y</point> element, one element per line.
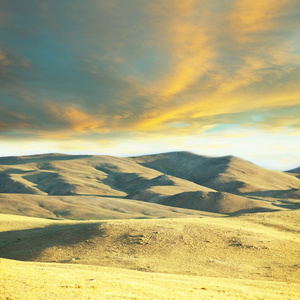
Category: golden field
<point>246,257</point>
<point>168,226</point>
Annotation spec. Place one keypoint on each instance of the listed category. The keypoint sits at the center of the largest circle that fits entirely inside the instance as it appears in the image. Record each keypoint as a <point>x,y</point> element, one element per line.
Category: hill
<point>27,280</point>
<point>207,246</point>
<point>296,170</point>
<point>74,184</point>
<point>172,225</point>
<point>227,174</point>
<point>88,208</point>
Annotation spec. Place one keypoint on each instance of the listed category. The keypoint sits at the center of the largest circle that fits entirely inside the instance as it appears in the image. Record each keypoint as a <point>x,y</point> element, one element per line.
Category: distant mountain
<point>227,174</point>
<point>179,179</point>
<point>296,170</point>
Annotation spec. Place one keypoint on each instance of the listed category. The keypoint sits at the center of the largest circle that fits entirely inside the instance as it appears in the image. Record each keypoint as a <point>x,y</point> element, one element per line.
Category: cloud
<point>76,119</point>
<point>256,16</point>
<point>74,68</point>
<point>10,65</point>
<point>242,74</point>
<point>9,117</point>
<point>181,34</point>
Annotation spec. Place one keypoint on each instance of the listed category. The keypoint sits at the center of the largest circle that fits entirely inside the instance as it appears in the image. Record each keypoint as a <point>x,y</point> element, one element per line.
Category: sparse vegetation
<point>120,248</point>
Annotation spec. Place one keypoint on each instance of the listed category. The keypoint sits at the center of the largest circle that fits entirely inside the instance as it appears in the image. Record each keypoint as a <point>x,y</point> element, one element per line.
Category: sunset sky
<point>130,77</point>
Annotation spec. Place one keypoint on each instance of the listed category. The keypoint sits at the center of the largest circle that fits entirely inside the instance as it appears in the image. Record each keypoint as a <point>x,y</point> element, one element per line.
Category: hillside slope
<point>228,174</point>
<point>179,179</point>
<point>81,175</point>
<point>296,171</point>
<point>88,208</point>
<point>247,247</point>
<point>32,280</point>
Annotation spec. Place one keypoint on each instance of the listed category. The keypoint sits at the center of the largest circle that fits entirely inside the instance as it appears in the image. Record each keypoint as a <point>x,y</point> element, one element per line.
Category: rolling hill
<point>252,256</point>
<point>296,171</point>
<point>83,186</point>
<point>227,174</point>
<point>207,246</point>
<point>173,225</point>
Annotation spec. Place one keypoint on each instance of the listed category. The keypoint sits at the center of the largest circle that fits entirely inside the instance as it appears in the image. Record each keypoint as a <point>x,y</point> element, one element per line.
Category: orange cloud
<point>199,41</point>
<point>2,56</point>
<point>216,58</point>
<point>180,34</point>
<point>220,103</point>
<point>254,16</point>
<point>256,81</point>
<point>77,119</point>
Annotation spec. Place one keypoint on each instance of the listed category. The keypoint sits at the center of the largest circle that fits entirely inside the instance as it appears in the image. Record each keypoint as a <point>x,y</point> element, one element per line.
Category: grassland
<point>247,257</point>
<point>166,226</point>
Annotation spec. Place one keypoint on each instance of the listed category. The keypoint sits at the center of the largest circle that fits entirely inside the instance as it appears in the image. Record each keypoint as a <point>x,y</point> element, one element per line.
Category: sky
<point>133,77</point>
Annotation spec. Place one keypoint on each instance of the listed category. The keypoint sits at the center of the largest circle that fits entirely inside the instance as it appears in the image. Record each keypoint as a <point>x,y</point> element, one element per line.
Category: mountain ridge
<point>225,173</point>
<point>295,170</point>
<point>226,184</point>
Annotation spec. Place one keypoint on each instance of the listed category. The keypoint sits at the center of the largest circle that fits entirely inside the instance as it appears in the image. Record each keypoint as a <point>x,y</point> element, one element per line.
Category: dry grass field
<point>27,280</point>
<point>226,185</point>
<point>247,257</point>
<point>168,226</point>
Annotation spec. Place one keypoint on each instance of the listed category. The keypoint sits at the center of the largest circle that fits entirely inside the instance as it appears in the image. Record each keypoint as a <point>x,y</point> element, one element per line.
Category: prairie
<point>168,226</point>
<point>241,257</point>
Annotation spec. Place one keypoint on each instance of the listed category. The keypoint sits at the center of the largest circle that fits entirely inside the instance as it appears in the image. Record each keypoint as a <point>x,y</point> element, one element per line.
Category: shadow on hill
<point>100,195</point>
<point>293,193</point>
<point>180,164</point>
<point>16,171</point>
<point>252,211</point>
<point>29,243</point>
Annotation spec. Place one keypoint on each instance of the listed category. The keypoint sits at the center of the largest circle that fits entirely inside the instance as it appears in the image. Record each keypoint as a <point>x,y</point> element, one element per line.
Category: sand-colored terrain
<point>227,185</point>
<point>247,257</point>
<point>89,207</point>
<point>226,174</point>
<point>166,226</point>
<point>27,280</point>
